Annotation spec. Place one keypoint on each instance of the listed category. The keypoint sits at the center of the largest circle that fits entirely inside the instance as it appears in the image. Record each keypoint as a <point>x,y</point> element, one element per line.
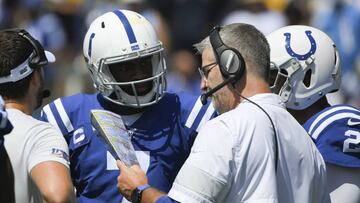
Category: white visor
<point>50,56</point>
<point>23,70</point>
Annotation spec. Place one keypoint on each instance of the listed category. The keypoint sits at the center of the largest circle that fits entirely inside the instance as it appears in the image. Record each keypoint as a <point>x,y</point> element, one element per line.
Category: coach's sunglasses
<point>204,70</point>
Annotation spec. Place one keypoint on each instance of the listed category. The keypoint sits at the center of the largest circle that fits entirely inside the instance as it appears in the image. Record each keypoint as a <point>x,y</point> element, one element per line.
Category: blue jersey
<point>336,132</point>
<point>5,125</point>
<point>5,128</point>
<point>162,137</point>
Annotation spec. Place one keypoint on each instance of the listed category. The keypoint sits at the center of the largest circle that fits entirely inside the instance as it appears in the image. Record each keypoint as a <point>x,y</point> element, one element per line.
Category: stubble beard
<point>220,102</point>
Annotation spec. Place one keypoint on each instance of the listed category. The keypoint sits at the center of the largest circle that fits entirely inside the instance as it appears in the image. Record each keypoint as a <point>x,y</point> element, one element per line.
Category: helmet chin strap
<point>135,99</point>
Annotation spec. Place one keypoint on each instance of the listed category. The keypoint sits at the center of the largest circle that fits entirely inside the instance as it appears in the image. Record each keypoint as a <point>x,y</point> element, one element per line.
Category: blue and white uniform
<point>162,137</point>
<point>5,125</point>
<point>336,133</point>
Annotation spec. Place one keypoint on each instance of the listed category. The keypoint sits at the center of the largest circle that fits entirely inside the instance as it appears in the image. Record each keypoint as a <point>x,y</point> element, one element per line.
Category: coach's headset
<point>232,67</point>
<point>230,61</point>
<point>37,59</point>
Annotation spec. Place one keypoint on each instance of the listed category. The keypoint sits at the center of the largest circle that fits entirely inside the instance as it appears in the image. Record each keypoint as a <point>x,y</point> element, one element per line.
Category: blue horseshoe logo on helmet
<point>299,56</point>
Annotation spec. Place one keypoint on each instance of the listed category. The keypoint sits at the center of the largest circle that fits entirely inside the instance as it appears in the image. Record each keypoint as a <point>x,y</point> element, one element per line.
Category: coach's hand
<point>130,178</point>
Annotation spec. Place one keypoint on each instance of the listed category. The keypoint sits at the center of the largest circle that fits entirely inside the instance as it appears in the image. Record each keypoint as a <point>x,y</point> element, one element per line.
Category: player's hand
<point>130,178</point>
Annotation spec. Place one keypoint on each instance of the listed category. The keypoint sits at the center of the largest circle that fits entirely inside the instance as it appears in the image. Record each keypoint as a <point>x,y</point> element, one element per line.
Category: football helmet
<point>125,59</point>
<point>305,65</point>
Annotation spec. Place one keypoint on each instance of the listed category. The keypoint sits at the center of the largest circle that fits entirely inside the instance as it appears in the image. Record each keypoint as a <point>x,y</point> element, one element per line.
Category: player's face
<point>134,70</point>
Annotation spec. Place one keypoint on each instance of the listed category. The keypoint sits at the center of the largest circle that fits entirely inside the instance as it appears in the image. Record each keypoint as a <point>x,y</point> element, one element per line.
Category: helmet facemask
<point>135,80</point>
<point>289,76</point>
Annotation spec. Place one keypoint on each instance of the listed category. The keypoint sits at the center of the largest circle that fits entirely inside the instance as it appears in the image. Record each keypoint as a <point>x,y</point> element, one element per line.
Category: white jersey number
<point>352,144</point>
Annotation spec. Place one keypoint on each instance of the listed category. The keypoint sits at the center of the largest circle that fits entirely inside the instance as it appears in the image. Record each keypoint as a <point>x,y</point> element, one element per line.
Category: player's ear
<point>36,76</point>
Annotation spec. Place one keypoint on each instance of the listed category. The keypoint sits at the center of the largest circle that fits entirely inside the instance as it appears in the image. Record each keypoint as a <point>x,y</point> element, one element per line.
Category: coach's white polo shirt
<point>233,159</point>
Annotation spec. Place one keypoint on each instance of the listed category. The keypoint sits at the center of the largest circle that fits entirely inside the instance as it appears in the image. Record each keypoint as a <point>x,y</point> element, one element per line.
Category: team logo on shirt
<point>60,153</point>
<point>78,136</point>
<point>351,122</point>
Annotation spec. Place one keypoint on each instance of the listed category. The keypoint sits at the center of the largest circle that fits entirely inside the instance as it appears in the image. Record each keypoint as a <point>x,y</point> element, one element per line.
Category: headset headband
<point>37,58</point>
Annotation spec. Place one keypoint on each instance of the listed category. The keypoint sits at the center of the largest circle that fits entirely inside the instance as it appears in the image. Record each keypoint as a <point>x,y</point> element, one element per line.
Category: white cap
<point>23,70</point>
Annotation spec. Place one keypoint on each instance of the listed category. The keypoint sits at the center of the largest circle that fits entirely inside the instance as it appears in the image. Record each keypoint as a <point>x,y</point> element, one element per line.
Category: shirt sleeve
<point>47,144</point>
<point>206,173</point>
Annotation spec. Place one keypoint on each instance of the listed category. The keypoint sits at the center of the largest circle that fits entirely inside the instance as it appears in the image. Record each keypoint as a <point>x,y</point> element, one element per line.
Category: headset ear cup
<point>231,63</point>
<point>230,60</point>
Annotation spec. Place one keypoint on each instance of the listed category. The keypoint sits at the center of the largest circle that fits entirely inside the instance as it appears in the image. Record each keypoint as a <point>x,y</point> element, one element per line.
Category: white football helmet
<point>307,65</point>
<point>121,42</point>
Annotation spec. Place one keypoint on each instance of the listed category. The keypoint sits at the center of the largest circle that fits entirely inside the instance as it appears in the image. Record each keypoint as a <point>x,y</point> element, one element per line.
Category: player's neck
<point>19,105</point>
<point>303,115</point>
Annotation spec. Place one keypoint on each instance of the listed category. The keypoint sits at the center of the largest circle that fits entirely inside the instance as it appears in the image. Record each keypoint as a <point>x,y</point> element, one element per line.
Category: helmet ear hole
<point>277,79</point>
<point>307,78</point>
<point>335,55</point>
<point>284,72</point>
<point>273,73</point>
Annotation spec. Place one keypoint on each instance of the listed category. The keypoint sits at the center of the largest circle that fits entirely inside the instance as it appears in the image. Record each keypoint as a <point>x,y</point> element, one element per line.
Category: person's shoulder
<point>183,101</point>
<point>72,103</point>
<point>193,114</point>
<point>232,119</point>
<point>79,99</point>
<point>334,131</point>
<point>66,112</point>
<point>25,122</point>
<point>331,117</point>
<point>16,116</point>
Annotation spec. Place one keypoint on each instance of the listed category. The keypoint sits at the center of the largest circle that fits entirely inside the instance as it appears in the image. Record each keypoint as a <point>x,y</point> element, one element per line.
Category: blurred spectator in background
<point>144,7</point>
<point>7,8</point>
<point>256,13</point>
<point>184,75</point>
<point>298,12</point>
<point>189,20</point>
<point>340,19</point>
<point>147,9</point>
